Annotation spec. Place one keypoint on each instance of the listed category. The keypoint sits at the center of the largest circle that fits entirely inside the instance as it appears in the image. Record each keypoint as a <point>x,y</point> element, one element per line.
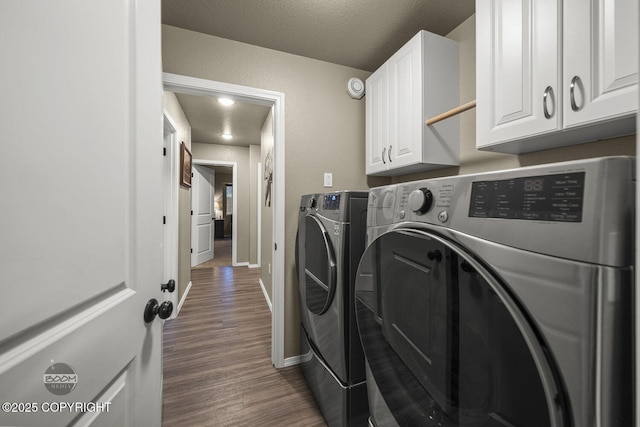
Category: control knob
<point>311,203</point>
<point>420,201</point>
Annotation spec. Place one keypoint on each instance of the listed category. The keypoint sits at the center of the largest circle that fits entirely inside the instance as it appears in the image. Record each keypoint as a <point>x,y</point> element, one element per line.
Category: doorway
<point>202,87</point>
<point>227,209</point>
<point>222,219</point>
<point>220,209</point>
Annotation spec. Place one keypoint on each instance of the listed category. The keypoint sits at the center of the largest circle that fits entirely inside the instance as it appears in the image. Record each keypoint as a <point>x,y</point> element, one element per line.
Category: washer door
<point>445,342</point>
<point>319,266</point>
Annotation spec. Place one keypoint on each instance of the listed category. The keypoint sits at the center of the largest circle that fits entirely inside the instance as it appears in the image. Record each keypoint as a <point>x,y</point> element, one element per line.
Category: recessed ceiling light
<point>226,101</point>
<point>227,136</point>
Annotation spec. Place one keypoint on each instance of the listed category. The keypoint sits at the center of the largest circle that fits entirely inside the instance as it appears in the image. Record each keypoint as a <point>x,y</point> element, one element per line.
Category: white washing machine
<point>501,299</point>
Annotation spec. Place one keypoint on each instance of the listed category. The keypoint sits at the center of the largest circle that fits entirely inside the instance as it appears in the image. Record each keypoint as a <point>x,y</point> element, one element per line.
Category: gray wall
<point>266,144</point>
<point>254,160</point>
<point>324,128</point>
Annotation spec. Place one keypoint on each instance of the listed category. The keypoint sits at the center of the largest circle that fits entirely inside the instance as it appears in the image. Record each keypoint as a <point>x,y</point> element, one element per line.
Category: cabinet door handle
<point>384,151</point>
<point>389,153</point>
<point>575,81</point>
<point>548,91</point>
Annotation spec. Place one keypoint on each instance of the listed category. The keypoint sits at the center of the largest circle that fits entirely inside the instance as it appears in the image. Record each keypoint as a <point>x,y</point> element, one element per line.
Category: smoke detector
<point>355,88</point>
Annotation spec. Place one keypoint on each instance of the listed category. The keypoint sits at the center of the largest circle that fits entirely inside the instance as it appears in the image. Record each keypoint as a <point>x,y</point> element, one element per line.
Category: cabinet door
<point>517,74</point>
<point>377,120</point>
<point>601,59</point>
<point>405,98</point>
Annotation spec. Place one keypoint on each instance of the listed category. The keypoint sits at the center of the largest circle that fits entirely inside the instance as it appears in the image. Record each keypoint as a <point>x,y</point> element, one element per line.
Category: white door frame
<point>171,215</point>
<point>202,87</point>
<point>234,213</point>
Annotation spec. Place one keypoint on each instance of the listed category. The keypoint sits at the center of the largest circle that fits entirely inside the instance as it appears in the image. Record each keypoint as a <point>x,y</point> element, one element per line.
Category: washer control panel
<point>558,197</point>
<point>331,202</point>
<point>424,201</point>
<point>576,210</point>
<point>334,206</point>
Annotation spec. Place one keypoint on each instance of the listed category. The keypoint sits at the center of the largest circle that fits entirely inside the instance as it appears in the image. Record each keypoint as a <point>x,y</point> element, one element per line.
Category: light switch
<point>328,179</point>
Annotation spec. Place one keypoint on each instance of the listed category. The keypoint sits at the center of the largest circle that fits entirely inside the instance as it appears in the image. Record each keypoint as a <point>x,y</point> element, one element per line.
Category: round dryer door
<point>445,342</point>
<point>319,266</point>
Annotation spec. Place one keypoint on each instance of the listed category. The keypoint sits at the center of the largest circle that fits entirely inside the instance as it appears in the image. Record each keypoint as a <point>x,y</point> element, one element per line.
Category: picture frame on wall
<point>185,166</point>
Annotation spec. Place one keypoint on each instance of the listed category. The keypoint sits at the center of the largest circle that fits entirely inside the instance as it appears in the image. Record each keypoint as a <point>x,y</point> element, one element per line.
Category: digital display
<point>331,202</point>
<point>536,184</point>
<point>543,198</point>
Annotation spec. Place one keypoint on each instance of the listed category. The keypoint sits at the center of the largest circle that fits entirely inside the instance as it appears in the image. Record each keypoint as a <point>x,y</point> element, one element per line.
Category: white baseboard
<point>266,295</point>
<point>241,264</point>
<point>254,265</point>
<point>184,298</point>
<point>291,361</point>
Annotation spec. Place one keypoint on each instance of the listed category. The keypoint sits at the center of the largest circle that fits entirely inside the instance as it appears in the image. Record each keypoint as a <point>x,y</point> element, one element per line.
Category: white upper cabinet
<point>418,82</point>
<point>551,73</point>
<point>600,59</point>
<point>377,122</point>
<point>515,70</point>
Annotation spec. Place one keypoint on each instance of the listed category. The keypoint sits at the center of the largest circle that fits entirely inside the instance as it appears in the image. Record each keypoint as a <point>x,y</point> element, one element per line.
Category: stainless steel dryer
<point>501,299</point>
<point>331,239</point>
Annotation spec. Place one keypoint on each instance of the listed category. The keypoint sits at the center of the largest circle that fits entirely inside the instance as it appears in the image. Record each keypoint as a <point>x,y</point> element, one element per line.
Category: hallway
<point>222,254</point>
<point>217,358</point>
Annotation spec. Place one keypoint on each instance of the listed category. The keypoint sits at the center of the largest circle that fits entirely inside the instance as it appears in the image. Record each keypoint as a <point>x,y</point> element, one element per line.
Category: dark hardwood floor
<point>222,254</point>
<point>217,359</point>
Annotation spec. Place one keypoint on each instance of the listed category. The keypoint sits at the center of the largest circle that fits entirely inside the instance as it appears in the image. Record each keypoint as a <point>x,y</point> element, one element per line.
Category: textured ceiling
<point>356,33</point>
<point>209,120</point>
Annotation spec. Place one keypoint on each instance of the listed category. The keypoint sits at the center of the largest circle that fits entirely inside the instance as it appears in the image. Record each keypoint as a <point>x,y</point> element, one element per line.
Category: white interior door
<point>202,220</point>
<point>81,230</point>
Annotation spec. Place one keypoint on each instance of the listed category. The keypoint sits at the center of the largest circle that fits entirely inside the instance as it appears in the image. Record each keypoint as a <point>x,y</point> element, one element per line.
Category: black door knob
<point>152,309</point>
<point>169,286</point>
<point>165,310</point>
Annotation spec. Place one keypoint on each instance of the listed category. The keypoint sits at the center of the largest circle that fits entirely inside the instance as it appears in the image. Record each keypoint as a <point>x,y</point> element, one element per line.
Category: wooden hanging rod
<point>452,112</point>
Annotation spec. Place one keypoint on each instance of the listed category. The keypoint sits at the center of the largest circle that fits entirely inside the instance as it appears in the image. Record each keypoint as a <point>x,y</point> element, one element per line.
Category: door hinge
<point>164,219</point>
<point>191,250</point>
<point>191,212</point>
<point>164,151</point>
<point>275,246</point>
